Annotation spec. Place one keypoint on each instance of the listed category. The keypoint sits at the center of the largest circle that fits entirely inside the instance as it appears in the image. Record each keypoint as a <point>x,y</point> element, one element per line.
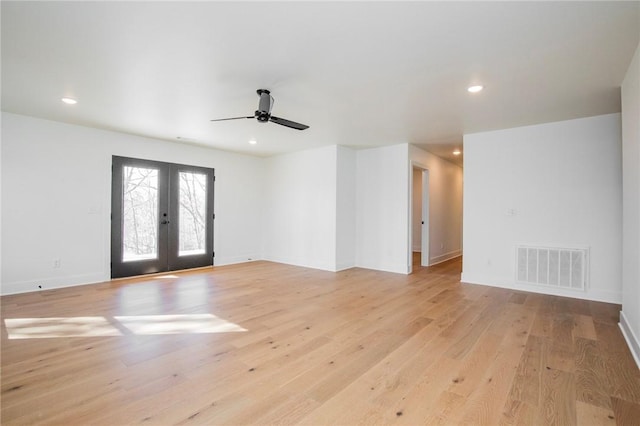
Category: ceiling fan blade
<point>288,123</point>
<point>233,118</point>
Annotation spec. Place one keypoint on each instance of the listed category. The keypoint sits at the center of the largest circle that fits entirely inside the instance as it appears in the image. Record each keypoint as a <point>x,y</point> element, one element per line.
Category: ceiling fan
<point>263,114</point>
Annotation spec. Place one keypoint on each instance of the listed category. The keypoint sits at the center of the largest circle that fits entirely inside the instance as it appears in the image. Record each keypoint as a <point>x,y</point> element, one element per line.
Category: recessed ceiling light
<point>457,152</point>
<point>475,89</point>
<point>69,101</point>
<point>253,141</point>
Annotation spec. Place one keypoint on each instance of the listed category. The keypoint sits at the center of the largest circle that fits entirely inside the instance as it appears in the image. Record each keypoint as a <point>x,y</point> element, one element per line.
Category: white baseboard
<point>303,263</point>
<point>232,260</point>
<point>84,279</point>
<point>632,340</point>
<point>383,266</point>
<point>344,266</point>
<point>444,257</point>
<point>51,283</point>
<point>591,294</point>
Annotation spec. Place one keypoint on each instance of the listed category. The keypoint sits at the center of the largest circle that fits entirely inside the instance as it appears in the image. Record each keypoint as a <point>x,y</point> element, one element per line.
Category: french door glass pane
<point>140,214</point>
<point>193,207</point>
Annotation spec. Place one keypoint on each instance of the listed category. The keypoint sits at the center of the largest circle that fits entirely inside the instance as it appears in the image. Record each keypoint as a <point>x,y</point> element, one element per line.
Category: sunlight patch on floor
<point>40,328</point>
<point>177,324</point>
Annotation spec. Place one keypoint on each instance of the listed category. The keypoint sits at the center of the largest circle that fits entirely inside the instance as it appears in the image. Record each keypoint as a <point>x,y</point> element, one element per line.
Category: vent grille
<point>549,266</point>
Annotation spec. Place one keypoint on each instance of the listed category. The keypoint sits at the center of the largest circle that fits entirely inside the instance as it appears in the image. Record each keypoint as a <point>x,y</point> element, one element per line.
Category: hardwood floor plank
<point>622,373</point>
<point>444,408</point>
<point>527,384</point>
<point>542,325</point>
<point>368,357</point>
<point>561,352</point>
<point>583,327</point>
<point>414,398</point>
<point>557,402</point>
<point>592,385</point>
<point>486,403</point>
<point>625,412</point>
<point>518,298</point>
<point>464,343</point>
<point>518,413</point>
<point>588,414</point>
<point>473,368</point>
<point>606,313</point>
<point>301,346</point>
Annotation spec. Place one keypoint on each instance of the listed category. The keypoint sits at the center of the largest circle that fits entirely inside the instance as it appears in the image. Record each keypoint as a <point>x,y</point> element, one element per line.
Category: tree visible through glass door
<point>192,213</point>
<point>139,214</point>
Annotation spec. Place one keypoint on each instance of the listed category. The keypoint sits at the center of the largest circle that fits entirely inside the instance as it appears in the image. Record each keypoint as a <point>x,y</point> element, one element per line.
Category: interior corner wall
<point>345,208</point>
<point>445,204</point>
<point>300,212</point>
<point>56,200</point>
<point>1,207</point>
<point>382,208</point>
<point>630,315</point>
<point>555,184</point>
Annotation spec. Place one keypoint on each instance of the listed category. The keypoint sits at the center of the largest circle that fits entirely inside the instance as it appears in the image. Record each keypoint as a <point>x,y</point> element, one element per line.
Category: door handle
<point>164,222</point>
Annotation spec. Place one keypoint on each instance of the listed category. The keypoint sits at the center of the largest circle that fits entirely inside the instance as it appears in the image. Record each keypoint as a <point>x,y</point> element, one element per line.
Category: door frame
<point>168,212</point>
<point>424,243</point>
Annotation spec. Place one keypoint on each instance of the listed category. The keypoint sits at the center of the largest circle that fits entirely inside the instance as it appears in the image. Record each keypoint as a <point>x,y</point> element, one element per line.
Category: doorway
<point>419,249</point>
<point>161,217</point>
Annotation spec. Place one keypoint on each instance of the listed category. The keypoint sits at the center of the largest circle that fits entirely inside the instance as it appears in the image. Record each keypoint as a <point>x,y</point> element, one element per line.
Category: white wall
<point>445,204</point>
<point>56,186</point>
<point>346,209</point>
<point>300,214</point>
<point>563,182</point>
<point>382,208</point>
<point>333,208</point>
<point>630,315</point>
<point>329,208</point>
<point>1,149</point>
<point>298,208</point>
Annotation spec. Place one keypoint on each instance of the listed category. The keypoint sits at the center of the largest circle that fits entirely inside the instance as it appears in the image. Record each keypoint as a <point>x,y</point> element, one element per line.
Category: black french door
<point>161,217</point>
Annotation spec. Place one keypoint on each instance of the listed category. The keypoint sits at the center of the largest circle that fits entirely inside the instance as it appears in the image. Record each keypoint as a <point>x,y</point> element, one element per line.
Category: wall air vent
<point>552,266</point>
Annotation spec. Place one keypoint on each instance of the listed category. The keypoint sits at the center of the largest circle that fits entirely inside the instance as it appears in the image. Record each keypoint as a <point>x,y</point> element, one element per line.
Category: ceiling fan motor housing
<point>265,104</point>
<point>262,116</point>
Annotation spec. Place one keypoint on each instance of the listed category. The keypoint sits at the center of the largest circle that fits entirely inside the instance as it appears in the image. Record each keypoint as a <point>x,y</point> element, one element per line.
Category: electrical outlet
<point>441,245</point>
<point>56,263</point>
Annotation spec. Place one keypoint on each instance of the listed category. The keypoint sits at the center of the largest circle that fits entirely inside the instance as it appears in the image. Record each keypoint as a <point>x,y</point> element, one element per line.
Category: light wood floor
<point>355,347</point>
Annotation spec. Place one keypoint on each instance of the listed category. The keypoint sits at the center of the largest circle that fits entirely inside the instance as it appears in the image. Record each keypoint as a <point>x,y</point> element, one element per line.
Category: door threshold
<point>156,274</point>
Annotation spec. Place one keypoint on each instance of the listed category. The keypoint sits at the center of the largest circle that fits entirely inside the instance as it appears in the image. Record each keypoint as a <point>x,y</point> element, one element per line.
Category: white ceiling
<point>361,74</point>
